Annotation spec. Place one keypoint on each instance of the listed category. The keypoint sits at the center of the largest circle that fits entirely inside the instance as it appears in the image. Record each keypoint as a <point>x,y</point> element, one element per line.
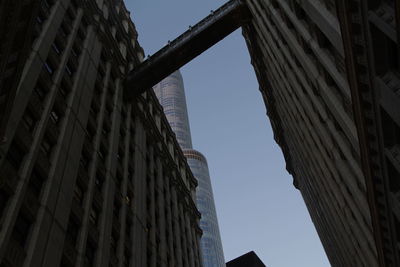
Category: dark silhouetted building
<point>249,259</point>
<point>87,179</point>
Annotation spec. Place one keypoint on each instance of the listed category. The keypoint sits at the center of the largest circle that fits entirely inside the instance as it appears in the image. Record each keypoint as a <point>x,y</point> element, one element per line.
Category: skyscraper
<point>211,244</point>
<point>171,94</point>
<point>86,178</point>
<point>328,72</point>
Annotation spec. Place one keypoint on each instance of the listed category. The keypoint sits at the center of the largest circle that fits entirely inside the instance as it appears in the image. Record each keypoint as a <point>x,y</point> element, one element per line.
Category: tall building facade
<point>211,244</point>
<point>329,75</point>
<point>88,179</point>
<point>171,94</point>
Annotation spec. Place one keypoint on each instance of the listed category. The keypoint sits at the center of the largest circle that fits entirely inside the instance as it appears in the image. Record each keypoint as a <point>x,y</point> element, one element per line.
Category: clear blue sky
<point>258,207</point>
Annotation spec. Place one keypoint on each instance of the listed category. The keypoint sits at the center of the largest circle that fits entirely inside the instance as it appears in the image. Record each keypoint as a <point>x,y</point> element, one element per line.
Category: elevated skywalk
<point>197,39</point>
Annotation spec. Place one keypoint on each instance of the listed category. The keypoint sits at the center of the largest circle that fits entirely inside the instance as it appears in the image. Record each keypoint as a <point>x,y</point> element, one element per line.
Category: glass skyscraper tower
<point>171,94</point>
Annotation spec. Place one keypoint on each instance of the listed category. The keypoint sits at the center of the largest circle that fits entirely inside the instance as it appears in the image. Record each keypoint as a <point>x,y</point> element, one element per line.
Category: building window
<point>15,155</point>
<point>64,30</point>
<point>29,121</point>
<point>36,183</point>
<point>73,231</point>
<point>40,19</point>
<point>113,244</point>
<point>69,69</point>
<point>99,181</point>
<point>46,146</point>
<point>40,92</point>
<point>90,252</point>
<point>81,34</point>
<point>3,201</point>
<point>21,229</point>
<point>94,215</point>
<point>76,51</point>
<point>102,153</point>
<point>47,4</point>
<point>117,206</point>
<point>55,116</point>
<point>64,89</point>
<point>70,14</point>
<point>49,67</point>
<point>79,193</point>
<point>84,161</point>
<point>386,51</point>
<point>56,48</point>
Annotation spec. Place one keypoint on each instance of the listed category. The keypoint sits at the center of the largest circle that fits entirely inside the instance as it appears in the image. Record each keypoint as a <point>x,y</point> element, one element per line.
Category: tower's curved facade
<point>211,245</point>
<point>171,94</point>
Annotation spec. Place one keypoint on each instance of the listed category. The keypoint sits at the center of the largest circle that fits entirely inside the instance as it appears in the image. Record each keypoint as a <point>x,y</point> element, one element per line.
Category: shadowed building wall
<point>87,179</point>
<point>328,73</point>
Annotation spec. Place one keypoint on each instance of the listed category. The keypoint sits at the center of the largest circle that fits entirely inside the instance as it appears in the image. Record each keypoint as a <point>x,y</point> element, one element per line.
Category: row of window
<point>289,104</point>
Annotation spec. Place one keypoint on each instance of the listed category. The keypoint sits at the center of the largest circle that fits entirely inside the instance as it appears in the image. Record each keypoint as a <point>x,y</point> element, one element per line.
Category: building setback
<point>171,94</point>
<point>249,259</point>
<point>86,178</point>
<point>328,73</point>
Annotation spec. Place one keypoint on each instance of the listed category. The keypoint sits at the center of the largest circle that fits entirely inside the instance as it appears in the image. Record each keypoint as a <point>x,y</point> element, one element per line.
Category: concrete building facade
<point>328,73</point>
<point>171,94</point>
<point>88,179</point>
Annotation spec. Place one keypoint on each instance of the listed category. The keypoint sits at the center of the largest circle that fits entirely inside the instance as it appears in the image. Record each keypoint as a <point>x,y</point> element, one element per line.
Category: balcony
<point>15,254</point>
